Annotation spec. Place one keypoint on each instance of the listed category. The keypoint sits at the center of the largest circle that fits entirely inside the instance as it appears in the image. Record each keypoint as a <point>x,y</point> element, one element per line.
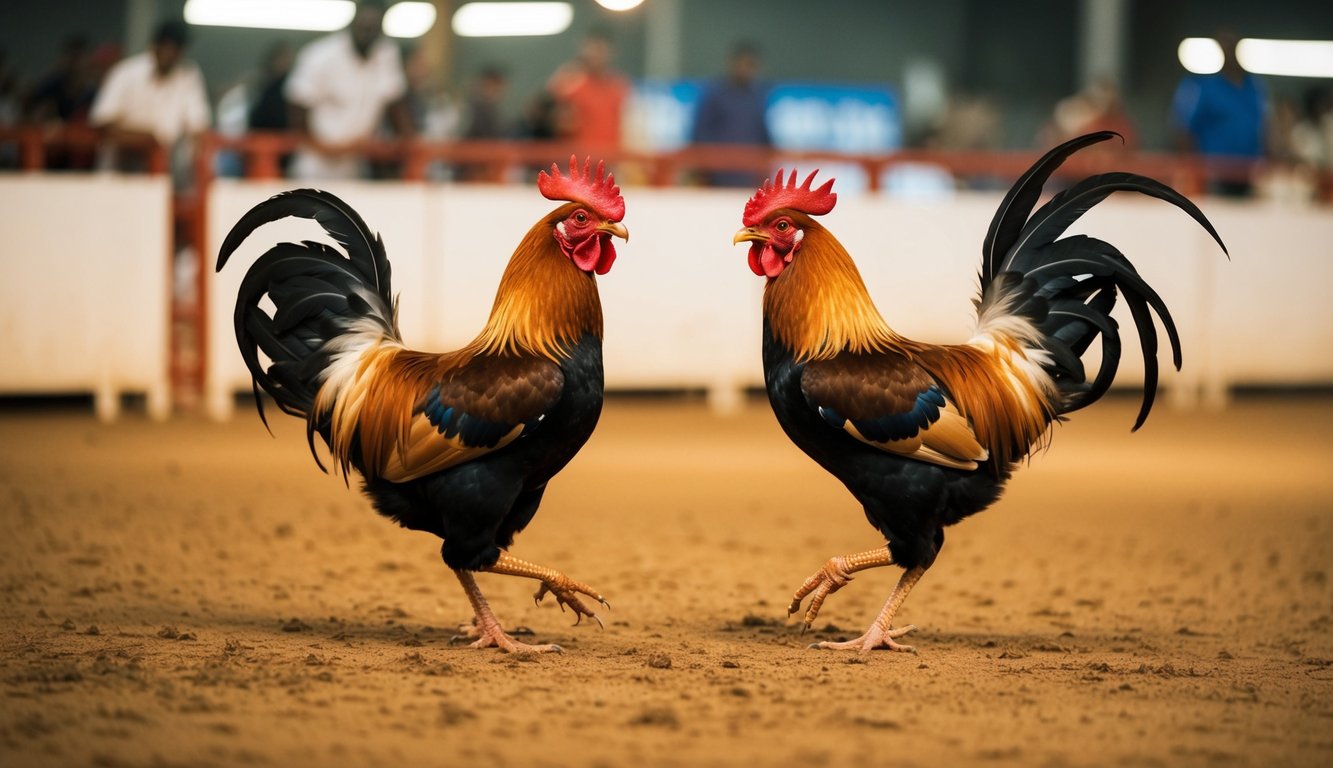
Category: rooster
<point>460,444</point>
<point>925,435</point>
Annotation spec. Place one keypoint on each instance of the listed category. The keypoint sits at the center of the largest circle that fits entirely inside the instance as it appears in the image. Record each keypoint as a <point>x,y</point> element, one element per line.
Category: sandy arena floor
<point>194,594</point>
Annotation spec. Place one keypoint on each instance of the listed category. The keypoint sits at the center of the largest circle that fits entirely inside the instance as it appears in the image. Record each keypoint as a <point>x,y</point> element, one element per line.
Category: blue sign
<point>802,117</point>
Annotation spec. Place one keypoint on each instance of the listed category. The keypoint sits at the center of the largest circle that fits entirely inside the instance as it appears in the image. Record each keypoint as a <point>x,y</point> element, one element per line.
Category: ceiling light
<point>305,15</point>
<point>1200,55</point>
<point>512,19</point>
<point>1292,58</point>
<point>409,19</point>
<point>619,5</point>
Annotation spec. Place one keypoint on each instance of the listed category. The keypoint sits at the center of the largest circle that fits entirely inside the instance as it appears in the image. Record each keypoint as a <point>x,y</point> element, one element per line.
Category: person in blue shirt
<point>1223,115</point>
<point>732,111</point>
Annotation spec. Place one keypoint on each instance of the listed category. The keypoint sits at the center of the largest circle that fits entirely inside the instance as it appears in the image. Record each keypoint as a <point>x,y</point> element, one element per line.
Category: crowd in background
<point>349,87</point>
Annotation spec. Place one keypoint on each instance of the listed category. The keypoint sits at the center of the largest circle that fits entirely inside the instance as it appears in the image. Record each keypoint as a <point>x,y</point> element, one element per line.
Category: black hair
<point>172,32</point>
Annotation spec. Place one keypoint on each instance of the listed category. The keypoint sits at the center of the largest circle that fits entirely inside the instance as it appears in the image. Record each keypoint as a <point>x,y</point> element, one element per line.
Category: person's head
<point>1228,40</point>
<point>743,63</point>
<point>491,82</point>
<point>74,52</point>
<point>169,41</point>
<point>278,59</point>
<point>367,23</point>
<point>596,50</point>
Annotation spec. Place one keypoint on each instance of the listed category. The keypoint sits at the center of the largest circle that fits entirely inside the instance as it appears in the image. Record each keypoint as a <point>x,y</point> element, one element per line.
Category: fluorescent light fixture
<point>619,5</point>
<point>305,15</point>
<point>1200,55</point>
<point>512,19</point>
<point>1290,58</point>
<point>409,19</point>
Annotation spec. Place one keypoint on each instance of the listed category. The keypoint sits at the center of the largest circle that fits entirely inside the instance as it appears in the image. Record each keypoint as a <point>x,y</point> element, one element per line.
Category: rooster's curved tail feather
<point>1065,288</point>
<point>328,306</point>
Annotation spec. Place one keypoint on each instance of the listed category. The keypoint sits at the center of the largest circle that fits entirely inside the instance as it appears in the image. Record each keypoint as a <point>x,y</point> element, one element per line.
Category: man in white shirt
<point>340,90</point>
<point>155,96</point>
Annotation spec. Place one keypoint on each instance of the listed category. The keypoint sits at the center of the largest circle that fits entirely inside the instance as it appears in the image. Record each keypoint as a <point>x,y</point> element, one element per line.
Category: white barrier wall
<point>682,308</point>
<point>84,302</point>
<point>85,288</point>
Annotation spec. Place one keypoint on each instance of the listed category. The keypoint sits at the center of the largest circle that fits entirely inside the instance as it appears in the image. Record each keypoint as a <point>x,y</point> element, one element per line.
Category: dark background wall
<point>1023,54</point>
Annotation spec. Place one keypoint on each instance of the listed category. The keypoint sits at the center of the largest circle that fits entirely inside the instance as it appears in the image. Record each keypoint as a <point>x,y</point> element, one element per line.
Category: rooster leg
<point>881,632</point>
<point>487,630</point>
<point>832,577</point>
<point>565,589</point>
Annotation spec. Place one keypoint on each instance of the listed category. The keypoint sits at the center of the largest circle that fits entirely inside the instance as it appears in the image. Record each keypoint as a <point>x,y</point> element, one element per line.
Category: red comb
<point>771,197</point>
<point>599,193</point>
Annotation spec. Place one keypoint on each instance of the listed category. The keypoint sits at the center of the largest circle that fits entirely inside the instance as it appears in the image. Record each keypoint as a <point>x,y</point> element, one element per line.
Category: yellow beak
<point>749,234</point>
<point>614,228</point>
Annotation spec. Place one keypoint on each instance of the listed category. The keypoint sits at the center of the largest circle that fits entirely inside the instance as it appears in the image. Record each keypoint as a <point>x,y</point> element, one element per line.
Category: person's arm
<point>108,111</point>
<point>198,116</point>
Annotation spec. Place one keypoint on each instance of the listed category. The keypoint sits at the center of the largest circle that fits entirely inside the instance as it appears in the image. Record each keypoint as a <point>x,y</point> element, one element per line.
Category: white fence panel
<point>85,292</point>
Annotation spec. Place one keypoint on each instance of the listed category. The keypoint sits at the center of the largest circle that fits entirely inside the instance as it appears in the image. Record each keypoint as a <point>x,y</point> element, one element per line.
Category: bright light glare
<point>1200,55</point>
<point>512,19</point>
<point>306,15</point>
<point>409,19</point>
<point>1291,58</point>
<point>619,5</point>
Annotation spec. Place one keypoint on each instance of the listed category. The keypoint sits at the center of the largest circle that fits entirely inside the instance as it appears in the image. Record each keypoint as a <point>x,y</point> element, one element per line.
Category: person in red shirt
<point>591,95</point>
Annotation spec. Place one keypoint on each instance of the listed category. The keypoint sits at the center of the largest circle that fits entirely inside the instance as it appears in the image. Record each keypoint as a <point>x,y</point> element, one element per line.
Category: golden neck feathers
<point>545,303</point>
<point>819,306</point>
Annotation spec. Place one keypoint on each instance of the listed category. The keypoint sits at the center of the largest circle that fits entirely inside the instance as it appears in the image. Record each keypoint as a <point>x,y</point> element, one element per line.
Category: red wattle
<point>755,265</point>
<point>772,262</point>
<point>594,254</point>
<point>608,256</point>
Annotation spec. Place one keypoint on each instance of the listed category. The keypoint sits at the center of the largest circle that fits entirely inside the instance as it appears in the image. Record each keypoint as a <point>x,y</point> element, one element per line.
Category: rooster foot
<point>873,639</point>
<point>485,635</point>
<point>496,638</point>
<point>832,577</point>
<point>566,592</point>
<point>471,631</point>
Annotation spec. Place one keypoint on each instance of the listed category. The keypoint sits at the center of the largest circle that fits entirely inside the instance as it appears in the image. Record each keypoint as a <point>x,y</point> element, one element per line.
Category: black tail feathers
<point>318,294</point>
<point>1068,286</point>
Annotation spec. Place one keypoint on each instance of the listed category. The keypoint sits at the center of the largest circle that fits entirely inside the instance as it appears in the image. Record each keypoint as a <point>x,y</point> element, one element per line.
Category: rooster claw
<point>592,616</point>
<point>566,592</point>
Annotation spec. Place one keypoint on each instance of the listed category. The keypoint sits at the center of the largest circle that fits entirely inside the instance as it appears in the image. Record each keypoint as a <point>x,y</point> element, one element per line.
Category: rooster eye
<point>581,217</point>
<point>782,226</point>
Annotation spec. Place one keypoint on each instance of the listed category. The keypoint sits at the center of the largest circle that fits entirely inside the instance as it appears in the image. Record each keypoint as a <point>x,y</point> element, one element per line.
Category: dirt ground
<point>198,594</point>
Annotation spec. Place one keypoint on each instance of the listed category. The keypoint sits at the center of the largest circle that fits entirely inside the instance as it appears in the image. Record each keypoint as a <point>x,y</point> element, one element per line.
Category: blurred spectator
<point>66,93</point>
<point>1223,115</point>
<point>435,114</point>
<point>484,117</point>
<point>732,111</point>
<point>9,111</point>
<point>1311,138</point>
<point>1098,107</point>
<point>967,123</point>
<point>591,94</point>
<point>435,111</point>
<point>254,102</point>
<point>485,121</point>
<point>65,96</point>
<point>268,110</point>
<point>156,96</point>
<point>540,118</point>
<point>340,89</point>
<point>9,93</point>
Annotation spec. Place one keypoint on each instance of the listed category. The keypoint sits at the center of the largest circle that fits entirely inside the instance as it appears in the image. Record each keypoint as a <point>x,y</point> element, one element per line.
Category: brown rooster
<point>924,435</point>
<point>462,444</point>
